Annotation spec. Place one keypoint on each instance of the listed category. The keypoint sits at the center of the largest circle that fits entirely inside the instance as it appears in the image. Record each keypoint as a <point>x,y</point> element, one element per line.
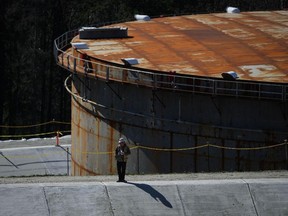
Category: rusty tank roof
<point>252,44</point>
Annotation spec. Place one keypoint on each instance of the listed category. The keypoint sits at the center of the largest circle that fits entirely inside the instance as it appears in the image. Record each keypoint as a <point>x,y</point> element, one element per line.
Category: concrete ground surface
<point>39,160</point>
<point>34,142</point>
<point>35,157</point>
<point>172,194</point>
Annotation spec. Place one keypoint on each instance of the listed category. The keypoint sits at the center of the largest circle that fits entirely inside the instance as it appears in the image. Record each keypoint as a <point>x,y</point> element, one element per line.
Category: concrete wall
<point>206,197</point>
<point>170,119</point>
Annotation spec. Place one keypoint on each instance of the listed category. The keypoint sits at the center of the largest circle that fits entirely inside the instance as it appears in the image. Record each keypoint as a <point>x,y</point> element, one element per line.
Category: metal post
<point>62,59</point>
<point>238,155</point>
<point>66,38</point>
<point>154,80</point>
<point>208,153</point>
<point>171,152</point>
<point>286,153</point>
<point>74,68</point>
<point>68,173</point>
<point>195,154</point>
<point>67,150</point>
<point>68,63</point>
<point>179,108</point>
<point>138,159</point>
<point>107,74</point>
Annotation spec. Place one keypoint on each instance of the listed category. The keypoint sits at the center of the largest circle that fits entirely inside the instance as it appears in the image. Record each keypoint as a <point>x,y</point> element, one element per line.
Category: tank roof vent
<point>80,45</point>
<point>232,10</point>
<point>130,61</point>
<point>142,17</point>
<point>230,75</point>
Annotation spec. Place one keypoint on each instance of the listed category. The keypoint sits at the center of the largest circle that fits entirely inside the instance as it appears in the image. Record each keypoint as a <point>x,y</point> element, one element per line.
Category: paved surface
<point>34,157</point>
<point>192,197</point>
<point>35,142</point>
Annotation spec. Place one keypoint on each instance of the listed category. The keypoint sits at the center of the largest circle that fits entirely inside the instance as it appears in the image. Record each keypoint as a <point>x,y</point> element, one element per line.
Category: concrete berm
<point>256,196</point>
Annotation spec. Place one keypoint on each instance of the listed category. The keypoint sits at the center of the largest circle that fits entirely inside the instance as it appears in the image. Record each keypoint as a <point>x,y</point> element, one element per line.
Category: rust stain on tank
<point>83,168</point>
<point>253,44</point>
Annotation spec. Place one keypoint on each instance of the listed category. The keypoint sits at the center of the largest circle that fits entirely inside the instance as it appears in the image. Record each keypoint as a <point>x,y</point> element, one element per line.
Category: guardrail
<point>157,80</point>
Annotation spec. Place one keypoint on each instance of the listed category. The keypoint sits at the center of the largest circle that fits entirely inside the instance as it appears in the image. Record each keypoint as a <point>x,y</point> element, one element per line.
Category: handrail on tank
<point>177,82</point>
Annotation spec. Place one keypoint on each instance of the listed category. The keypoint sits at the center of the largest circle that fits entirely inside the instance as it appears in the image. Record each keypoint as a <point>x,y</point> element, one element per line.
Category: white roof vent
<point>80,45</point>
<point>232,10</point>
<point>130,61</point>
<point>142,17</point>
<point>230,75</point>
<point>87,28</point>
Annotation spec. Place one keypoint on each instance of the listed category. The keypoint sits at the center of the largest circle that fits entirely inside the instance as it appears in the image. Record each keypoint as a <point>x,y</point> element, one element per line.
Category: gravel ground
<point>155,177</point>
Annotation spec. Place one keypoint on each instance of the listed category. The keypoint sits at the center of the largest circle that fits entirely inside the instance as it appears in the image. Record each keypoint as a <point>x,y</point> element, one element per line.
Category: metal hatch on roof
<point>130,61</point>
<point>101,33</point>
<point>230,75</point>
<point>80,45</point>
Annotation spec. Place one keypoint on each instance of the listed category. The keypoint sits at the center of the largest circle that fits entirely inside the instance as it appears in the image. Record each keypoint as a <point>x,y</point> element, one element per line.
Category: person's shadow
<point>153,193</point>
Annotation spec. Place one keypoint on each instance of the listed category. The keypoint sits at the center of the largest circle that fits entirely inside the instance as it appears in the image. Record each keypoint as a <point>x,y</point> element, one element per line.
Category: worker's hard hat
<point>121,140</point>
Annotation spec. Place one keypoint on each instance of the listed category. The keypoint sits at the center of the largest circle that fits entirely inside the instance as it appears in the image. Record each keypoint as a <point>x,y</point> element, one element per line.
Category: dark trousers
<point>121,168</point>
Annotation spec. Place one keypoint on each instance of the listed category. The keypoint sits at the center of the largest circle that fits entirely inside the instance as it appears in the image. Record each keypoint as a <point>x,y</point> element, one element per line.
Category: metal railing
<point>157,80</point>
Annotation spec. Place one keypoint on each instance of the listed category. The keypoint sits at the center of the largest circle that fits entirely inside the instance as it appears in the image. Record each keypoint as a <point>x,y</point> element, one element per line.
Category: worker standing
<point>121,154</point>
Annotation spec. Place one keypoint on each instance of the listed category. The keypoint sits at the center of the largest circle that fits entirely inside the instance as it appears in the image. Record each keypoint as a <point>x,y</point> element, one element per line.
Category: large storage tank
<point>164,88</point>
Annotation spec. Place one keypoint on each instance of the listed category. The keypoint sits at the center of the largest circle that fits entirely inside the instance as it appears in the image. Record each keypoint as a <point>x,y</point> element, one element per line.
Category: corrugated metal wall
<point>164,119</point>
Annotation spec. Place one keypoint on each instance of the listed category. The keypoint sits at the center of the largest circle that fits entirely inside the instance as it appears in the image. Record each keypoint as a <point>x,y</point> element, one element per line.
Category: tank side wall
<point>185,122</point>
